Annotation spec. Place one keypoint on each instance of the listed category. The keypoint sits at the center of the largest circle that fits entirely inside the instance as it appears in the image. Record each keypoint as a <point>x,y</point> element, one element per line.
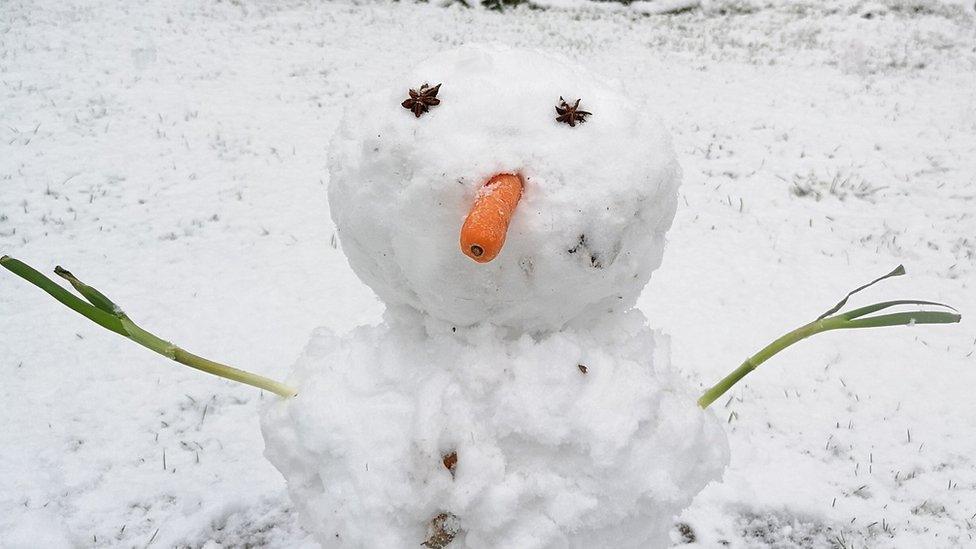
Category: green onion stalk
<point>102,311</point>
<point>834,320</point>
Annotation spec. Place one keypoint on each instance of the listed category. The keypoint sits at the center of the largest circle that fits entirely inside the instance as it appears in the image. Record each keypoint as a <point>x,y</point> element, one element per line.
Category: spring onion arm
<point>863,317</point>
<point>102,311</point>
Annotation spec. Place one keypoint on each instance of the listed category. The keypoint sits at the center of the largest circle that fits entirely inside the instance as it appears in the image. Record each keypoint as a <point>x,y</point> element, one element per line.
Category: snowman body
<point>522,402</point>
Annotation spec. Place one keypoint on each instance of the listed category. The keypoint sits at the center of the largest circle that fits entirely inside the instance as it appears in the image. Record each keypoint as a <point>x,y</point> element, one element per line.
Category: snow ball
<point>547,456</point>
<point>590,226</point>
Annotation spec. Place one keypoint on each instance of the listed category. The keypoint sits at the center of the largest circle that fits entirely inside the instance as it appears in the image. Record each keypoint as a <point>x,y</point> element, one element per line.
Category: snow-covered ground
<point>173,155</point>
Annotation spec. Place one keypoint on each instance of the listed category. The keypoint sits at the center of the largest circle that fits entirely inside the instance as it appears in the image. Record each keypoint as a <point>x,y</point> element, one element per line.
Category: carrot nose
<point>484,230</point>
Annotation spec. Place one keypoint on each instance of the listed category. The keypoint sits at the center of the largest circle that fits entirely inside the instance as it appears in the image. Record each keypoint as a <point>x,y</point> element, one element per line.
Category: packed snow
<point>581,437</point>
<point>174,155</point>
<point>587,232</point>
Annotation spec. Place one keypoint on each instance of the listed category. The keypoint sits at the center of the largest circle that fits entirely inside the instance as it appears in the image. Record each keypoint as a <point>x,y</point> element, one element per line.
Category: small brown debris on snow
<point>450,462</point>
<point>441,531</point>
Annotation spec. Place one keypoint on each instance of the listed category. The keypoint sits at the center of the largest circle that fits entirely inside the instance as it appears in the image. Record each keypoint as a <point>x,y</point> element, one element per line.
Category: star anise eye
<point>421,100</point>
<point>570,114</point>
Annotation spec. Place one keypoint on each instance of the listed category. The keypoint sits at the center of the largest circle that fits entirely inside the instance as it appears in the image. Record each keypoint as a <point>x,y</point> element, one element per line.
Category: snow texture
<point>575,439</point>
<point>590,226</point>
<point>568,437</point>
<point>173,154</point>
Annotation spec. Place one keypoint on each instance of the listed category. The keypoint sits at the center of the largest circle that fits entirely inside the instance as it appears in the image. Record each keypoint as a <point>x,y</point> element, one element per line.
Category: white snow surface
<point>173,154</point>
<point>587,232</point>
<point>578,438</point>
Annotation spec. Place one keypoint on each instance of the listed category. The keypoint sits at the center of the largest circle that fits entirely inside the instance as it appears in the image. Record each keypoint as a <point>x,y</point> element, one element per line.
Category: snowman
<point>509,215</point>
<point>508,207</point>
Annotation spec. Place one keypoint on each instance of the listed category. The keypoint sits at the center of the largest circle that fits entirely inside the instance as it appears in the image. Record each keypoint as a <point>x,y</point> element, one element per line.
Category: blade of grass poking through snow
<point>855,319</point>
<point>102,311</point>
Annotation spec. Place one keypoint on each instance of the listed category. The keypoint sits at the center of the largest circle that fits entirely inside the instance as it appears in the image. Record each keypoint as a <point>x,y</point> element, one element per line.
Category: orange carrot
<point>483,232</point>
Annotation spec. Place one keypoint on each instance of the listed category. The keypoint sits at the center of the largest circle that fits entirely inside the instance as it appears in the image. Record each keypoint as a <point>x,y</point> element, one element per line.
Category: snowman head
<point>588,221</point>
